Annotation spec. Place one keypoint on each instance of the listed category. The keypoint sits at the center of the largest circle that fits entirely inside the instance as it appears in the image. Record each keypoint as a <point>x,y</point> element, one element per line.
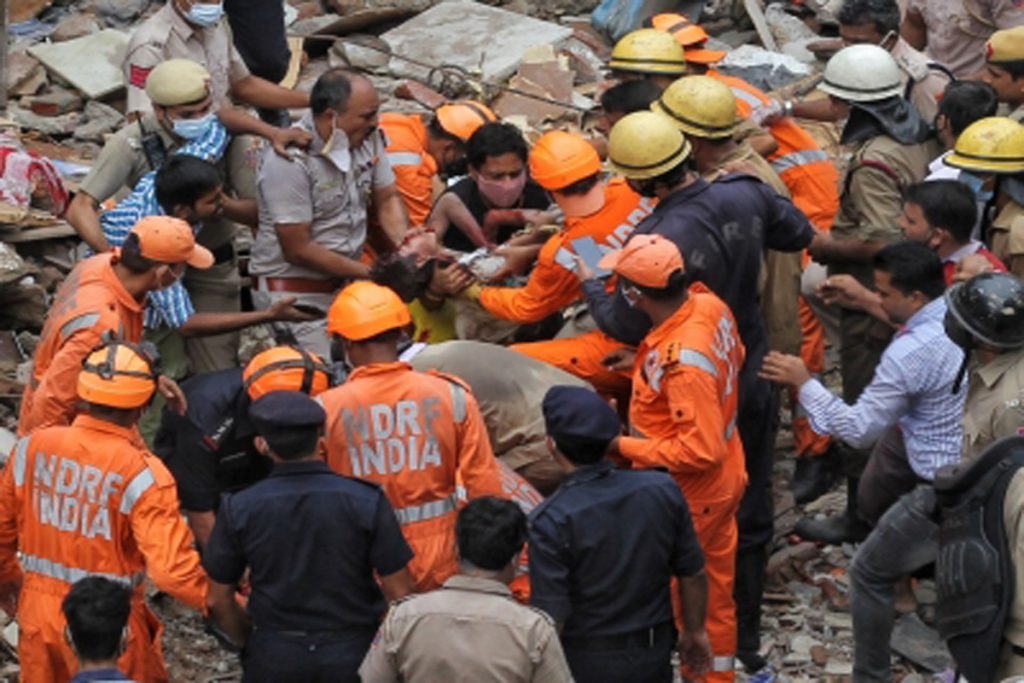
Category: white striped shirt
<point>912,387</point>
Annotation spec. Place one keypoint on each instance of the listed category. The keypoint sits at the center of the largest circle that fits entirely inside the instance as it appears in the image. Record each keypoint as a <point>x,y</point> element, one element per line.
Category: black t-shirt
<point>534,197</point>
<point>209,449</point>
<point>312,540</point>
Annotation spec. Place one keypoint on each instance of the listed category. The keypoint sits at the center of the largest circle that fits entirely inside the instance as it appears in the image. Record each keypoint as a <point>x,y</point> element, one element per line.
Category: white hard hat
<point>862,73</point>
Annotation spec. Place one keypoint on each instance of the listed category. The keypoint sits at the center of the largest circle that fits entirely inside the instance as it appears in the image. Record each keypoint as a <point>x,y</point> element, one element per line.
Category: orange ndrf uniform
<point>415,169</point>
<point>90,499</point>
<point>683,413</point>
<point>523,494</point>
<point>553,283</point>
<point>90,303</point>
<point>421,437</point>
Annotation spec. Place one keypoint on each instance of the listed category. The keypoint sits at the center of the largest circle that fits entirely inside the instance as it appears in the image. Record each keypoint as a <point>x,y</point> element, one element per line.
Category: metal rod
<point>444,68</point>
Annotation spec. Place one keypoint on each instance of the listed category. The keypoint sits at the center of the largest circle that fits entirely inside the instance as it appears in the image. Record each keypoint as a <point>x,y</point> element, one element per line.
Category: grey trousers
<point>904,540</point>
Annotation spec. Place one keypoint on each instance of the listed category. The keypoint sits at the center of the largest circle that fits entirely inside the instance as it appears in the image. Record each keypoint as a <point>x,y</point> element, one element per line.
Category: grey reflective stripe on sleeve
<point>697,359</point>
<point>566,259</point>
<point>20,460</point>
<point>431,510</point>
<point>136,487</point>
<point>55,570</point>
<point>458,402</point>
<point>751,99</point>
<point>794,159</point>
<point>730,428</point>
<point>82,322</point>
<point>723,663</point>
<point>405,159</point>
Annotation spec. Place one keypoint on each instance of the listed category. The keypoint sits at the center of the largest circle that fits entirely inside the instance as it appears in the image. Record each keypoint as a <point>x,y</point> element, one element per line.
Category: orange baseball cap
<point>170,240</point>
<point>647,260</point>
<point>692,37</point>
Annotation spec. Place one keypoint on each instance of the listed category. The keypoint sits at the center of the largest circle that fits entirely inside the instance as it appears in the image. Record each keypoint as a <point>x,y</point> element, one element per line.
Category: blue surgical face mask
<point>192,129</point>
<point>976,183</point>
<point>205,15</point>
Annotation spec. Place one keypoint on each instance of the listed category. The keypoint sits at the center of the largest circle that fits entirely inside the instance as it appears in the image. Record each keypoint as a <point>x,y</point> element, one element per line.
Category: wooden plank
<point>52,232</point>
<point>756,13</point>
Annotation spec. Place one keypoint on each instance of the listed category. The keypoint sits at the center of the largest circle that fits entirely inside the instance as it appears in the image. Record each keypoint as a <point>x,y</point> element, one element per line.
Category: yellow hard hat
<point>644,145</point>
<point>700,106</point>
<point>648,51</point>
<point>990,145</point>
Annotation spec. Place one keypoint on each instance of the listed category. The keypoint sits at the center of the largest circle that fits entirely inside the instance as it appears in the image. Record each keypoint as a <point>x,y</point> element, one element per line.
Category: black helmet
<point>990,307</point>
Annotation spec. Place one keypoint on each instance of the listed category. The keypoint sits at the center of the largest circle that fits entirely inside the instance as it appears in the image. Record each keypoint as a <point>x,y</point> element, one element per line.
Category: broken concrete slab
<point>100,120</point>
<point>64,124</point>
<point>419,93</point>
<point>121,11</point>
<point>919,643</point>
<point>55,102</point>
<point>361,51</point>
<point>482,40</point>
<point>23,73</point>
<point>74,26</point>
<point>91,64</point>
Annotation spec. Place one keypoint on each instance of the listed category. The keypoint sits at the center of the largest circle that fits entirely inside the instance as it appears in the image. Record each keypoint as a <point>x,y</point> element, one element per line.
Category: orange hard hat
<point>286,368</point>
<point>691,36</point>
<point>647,260</point>
<point>364,309</point>
<point>464,117</point>
<point>170,240</point>
<point>560,159</point>
<point>119,375</point>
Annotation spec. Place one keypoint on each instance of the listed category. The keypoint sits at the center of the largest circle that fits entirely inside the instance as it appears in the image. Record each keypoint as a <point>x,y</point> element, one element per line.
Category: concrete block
<point>483,40</point>
<point>92,64</point>
<point>74,26</point>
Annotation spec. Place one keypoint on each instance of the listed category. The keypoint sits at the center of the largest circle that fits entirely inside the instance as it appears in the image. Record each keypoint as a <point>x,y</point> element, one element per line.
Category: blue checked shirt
<point>172,305</point>
<point>912,387</point>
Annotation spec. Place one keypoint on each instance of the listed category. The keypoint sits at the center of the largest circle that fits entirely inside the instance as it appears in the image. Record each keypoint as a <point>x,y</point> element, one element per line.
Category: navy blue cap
<point>579,420</point>
<point>283,409</point>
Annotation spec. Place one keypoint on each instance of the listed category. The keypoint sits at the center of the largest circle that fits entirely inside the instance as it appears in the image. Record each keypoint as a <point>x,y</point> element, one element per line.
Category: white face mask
<point>337,147</point>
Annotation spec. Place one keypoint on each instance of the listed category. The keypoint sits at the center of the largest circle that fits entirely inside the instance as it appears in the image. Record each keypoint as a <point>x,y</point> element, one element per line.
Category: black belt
<point>644,638</point>
<point>223,253</point>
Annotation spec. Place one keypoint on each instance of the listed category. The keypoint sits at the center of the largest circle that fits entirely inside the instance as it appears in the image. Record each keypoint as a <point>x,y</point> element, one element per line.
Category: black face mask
<point>455,168</point>
<point>644,188</point>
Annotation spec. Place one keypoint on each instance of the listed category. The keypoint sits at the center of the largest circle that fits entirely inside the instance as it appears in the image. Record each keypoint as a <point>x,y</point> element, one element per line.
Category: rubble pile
<point>539,65</point>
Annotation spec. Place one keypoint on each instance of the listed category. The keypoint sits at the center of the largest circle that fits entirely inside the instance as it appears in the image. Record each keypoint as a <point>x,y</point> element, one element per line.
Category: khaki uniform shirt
<point>781,272</point>
<point>1018,114</point>
<point>331,192</point>
<point>470,630</point>
<point>166,35</point>
<point>959,29</point>
<point>123,162</point>
<point>928,83</point>
<point>1013,518</point>
<point>1006,237</point>
<point>995,403</point>
<point>510,400</point>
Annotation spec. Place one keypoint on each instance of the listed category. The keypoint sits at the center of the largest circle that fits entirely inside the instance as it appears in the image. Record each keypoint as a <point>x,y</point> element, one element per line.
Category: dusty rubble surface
<point>66,97</point>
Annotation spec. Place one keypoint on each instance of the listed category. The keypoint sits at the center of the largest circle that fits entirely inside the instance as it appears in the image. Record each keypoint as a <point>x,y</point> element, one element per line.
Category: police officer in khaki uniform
<point>472,628</point>
<point>193,29</point>
<point>313,208</point>
<point>180,94</point>
<point>985,316</point>
<point>892,148</point>
<point>1004,69</point>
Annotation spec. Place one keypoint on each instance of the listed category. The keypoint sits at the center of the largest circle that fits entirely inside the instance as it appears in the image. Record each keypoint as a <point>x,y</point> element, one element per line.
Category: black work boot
<point>837,529</point>
<point>748,591</point>
<point>814,476</point>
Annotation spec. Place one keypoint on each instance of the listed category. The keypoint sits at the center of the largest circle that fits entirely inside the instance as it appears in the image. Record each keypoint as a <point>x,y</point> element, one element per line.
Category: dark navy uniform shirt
<point>722,229</point>
<point>312,539</point>
<point>209,449</point>
<point>604,547</point>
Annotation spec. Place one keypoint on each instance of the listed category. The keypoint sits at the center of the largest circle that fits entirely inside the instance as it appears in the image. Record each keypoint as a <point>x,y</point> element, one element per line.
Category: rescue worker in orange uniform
<point>419,435</point>
<point>89,499</point>
<point>418,150</point>
<point>600,216</point>
<point>813,183</point>
<point>682,413</point>
<point>104,295</point>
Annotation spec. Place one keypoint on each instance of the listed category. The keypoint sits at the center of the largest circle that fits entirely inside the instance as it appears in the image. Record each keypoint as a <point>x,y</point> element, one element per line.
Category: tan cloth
<point>509,399</point>
<point>331,195</point>
<point>781,271</point>
<point>928,83</point>
<point>995,404</point>
<point>1013,518</point>
<point>166,35</point>
<point>1006,237</point>
<point>470,630</point>
<point>958,29</point>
